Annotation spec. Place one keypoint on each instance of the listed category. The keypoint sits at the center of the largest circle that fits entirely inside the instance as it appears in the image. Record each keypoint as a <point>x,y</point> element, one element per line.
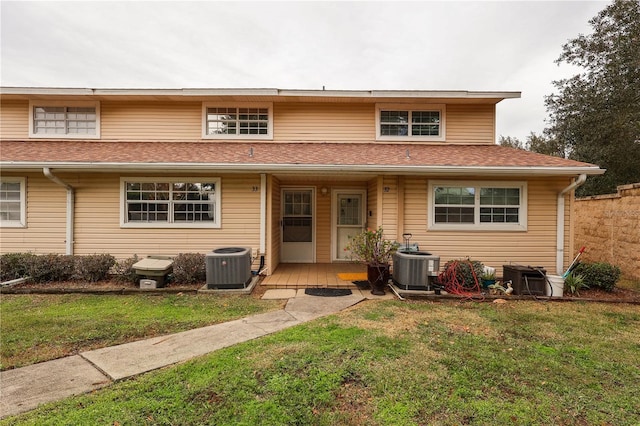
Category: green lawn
<point>37,328</point>
<point>397,363</point>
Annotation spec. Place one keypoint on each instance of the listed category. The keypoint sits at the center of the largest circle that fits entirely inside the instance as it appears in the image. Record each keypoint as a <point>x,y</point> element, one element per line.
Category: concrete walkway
<point>23,389</point>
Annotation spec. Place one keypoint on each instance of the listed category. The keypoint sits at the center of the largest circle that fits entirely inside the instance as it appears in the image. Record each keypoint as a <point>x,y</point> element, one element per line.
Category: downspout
<point>70,207</point>
<point>560,222</point>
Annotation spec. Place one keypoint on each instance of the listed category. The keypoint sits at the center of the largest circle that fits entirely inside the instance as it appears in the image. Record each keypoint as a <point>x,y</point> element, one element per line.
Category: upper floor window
<point>64,120</point>
<point>247,121</point>
<point>478,206</point>
<point>13,202</point>
<point>409,122</point>
<point>171,203</point>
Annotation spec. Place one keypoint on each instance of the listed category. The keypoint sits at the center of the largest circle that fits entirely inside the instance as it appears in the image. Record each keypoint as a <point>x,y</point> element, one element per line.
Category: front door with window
<point>298,226</point>
<point>348,219</point>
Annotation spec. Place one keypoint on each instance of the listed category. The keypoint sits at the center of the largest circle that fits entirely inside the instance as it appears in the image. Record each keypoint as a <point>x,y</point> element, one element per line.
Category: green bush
<point>51,267</point>
<point>14,265</point>
<point>601,274</point>
<point>464,272</point>
<point>189,268</point>
<point>93,268</point>
<point>124,272</point>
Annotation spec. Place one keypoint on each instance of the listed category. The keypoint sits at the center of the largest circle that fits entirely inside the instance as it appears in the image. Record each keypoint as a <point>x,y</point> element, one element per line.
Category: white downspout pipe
<point>70,207</point>
<point>560,222</point>
<point>263,213</point>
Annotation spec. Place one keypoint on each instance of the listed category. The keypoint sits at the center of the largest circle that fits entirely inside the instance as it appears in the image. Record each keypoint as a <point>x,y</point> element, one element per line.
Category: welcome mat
<point>327,292</point>
<point>353,276</point>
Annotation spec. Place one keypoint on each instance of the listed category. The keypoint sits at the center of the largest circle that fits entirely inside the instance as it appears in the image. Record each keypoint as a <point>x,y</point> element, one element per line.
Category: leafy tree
<point>595,116</point>
<point>546,145</point>
<point>511,142</point>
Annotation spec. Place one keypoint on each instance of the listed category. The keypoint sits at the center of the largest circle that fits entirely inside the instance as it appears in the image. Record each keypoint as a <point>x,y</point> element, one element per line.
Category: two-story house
<point>290,173</point>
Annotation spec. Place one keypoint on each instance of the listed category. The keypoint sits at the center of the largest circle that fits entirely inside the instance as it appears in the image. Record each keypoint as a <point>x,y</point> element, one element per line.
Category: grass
<point>37,328</point>
<point>398,363</point>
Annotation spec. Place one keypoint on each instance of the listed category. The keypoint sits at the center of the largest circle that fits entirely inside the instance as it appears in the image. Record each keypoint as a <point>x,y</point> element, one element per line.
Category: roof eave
<point>186,92</point>
<point>305,168</point>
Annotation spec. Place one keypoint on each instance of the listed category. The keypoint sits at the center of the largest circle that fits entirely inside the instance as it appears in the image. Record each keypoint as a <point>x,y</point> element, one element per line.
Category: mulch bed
<point>618,295</point>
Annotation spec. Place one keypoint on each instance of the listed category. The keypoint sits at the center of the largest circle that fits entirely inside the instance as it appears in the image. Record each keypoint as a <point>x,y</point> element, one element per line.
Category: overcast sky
<point>496,46</point>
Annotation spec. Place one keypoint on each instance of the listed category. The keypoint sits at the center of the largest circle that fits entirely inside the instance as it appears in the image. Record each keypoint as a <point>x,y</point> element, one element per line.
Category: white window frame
<point>123,203</point>
<point>91,104</point>
<point>441,108</point>
<point>477,225</point>
<point>22,223</point>
<point>267,105</point>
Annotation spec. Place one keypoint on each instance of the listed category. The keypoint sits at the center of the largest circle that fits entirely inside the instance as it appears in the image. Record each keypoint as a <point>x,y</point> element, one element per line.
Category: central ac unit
<point>228,267</point>
<point>414,270</point>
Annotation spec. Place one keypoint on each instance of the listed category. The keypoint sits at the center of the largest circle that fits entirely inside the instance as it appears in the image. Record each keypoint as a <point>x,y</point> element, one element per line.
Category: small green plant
<point>189,268</point>
<point>573,283</point>
<point>600,274</point>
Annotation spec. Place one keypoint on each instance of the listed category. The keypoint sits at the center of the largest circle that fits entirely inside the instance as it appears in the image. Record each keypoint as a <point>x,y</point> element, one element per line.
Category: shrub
<point>463,271</point>
<point>189,268</point>
<point>573,283</point>
<point>93,268</point>
<point>14,266</point>
<point>124,272</point>
<point>601,274</point>
<point>51,267</point>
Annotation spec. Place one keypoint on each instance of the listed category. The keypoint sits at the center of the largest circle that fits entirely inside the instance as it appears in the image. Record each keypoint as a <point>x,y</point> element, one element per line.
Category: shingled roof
<point>279,156</point>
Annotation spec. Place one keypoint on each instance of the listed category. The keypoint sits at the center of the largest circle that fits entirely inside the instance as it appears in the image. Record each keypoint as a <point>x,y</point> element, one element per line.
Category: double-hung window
<point>13,203</point>
<point>403,122</point>
<point>64,120</point>
<point>478,206</point>
<point>244,121</point>
<point>170,203</point>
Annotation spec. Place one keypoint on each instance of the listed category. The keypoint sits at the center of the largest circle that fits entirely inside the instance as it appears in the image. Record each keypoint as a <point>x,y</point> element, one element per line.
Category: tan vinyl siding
<point>46,219</point>
<point>536,246</point>
<point>372,203</point>
<point>390,207</point>
<point>324,122</point>
<point>470,124</point>
<point>151,120</point>
<point>273,225</point>
<point>98,230</point>
<point>14,119</point>
<point>167,120</point>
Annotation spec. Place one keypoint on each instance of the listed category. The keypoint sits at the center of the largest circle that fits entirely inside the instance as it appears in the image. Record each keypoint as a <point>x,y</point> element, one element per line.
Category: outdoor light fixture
<point>324,191</point>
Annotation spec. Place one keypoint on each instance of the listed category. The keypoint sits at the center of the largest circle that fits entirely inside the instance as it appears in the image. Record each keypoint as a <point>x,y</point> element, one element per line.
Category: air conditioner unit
<point>415,270</point>
<point>228,267</point>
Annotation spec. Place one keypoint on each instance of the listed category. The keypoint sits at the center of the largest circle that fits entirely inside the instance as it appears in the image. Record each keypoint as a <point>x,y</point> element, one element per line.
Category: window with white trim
<point>171,203</point>
<point>478,206</point>
<point>402,122</point>
<point>64,120</point>
<point>13,202</point>
<point>246,121</point>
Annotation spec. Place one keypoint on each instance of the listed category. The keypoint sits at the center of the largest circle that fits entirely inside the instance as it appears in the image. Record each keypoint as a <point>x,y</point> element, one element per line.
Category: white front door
<point>348,219</point>
<point>298,226</point>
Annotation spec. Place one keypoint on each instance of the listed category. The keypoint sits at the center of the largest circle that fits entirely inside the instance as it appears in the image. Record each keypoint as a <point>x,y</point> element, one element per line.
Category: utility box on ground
<point>525,280</point>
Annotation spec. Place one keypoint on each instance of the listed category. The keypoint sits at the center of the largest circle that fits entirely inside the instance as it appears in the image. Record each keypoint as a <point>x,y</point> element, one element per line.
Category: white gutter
<point>70,207</point>
<point>316,168</point>
<point>263,213</point>
<point>560,222</point>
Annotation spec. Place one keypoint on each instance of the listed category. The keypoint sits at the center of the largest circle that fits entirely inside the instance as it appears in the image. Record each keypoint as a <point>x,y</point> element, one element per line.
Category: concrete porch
<point>304,275</point>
